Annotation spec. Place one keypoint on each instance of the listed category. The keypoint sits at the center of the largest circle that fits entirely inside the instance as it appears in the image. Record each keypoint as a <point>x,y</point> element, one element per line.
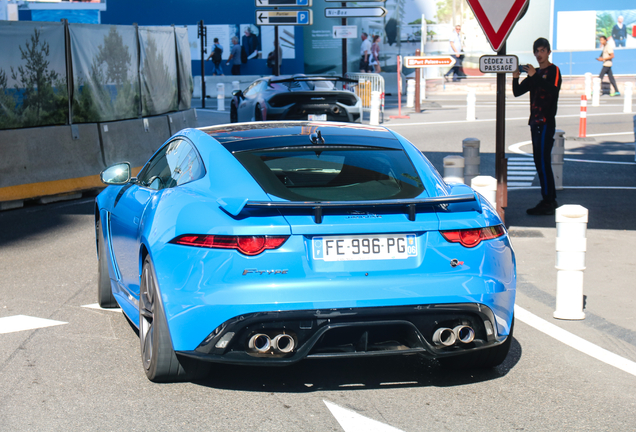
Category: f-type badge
<point>455,262</point>
<point>262,272</point>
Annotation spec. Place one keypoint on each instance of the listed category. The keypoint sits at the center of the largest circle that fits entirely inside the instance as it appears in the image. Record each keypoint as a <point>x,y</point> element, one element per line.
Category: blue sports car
<point>268,243</point>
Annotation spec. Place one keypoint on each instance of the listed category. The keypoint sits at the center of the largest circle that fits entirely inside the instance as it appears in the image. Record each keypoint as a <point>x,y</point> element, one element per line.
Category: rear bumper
<point>350,332</point>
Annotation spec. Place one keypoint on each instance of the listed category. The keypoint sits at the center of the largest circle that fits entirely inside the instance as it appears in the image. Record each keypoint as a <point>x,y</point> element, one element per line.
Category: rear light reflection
<point>247,245</point>
<point>472,237</point>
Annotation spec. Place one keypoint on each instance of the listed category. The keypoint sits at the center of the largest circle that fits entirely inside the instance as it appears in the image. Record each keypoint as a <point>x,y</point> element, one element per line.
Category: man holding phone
<point>544,85</point>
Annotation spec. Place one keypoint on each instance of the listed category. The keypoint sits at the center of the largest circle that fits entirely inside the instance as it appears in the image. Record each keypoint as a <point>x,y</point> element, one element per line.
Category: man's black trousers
<point>542,143</point>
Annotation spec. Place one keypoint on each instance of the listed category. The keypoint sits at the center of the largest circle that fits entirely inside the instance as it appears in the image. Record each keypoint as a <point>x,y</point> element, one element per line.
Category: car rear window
<point>333,173</point>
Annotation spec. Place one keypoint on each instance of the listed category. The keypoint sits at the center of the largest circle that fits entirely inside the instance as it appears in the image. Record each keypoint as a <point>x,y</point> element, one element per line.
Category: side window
<point>252,89</point>
<point>177,163</point>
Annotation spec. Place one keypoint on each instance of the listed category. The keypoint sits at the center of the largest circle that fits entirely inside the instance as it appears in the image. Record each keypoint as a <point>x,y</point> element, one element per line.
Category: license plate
<point>317,117</point>
<point>364,247</point>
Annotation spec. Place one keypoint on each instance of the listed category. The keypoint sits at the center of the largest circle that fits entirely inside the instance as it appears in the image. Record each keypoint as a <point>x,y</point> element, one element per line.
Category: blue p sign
<point>303,18</point>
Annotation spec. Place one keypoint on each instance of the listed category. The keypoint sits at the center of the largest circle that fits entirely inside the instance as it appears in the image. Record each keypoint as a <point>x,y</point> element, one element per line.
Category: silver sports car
<point>299,97</point>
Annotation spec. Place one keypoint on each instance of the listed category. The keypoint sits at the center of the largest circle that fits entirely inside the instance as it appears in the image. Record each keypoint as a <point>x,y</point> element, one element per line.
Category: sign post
<point>202,33</point>
<point>497,19</point>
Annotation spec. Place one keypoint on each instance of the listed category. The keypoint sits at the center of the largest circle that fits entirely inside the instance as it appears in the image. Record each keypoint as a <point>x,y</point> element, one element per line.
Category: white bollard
<point>472,160</point>
<point>596,92</point>
<point>558,150</point>
<point>571,244</point>
<point>220,96</point>
<point>410,93</point>
<point>471,99</point>
<point>375,108</point>
<point>453,169</point>
<point>627,103</point>
<point>236,85</point>
<point>487,186</point>
<point>588,85</point>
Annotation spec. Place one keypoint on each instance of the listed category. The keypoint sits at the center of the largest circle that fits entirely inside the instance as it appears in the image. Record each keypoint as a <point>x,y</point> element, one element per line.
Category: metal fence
<point>367,83</point>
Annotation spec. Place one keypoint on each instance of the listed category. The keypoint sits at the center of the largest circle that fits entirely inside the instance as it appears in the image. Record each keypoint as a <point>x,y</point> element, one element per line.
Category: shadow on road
<point>353,374</point>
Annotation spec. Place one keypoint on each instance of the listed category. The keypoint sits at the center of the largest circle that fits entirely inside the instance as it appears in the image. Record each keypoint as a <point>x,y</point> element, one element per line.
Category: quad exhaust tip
<point>445,337</point>
<point>279,344</point>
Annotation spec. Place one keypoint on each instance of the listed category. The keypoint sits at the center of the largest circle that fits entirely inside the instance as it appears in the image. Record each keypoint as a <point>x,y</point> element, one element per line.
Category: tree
<point>159,85</point>
<point>7,104</point>
<point>116,56</point>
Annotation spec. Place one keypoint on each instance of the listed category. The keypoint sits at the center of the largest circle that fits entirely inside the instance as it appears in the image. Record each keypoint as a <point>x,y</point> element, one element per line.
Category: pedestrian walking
<point>606,57</point>
<point>216,57</point>
<point>365,52</point>
<point>456,50</point>
<point>375,54</point>
<point>544,85</point>
<point>235,56</point>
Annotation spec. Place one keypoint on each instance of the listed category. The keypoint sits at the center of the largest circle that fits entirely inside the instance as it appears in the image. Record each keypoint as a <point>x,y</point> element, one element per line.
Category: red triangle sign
<point>497,18</point>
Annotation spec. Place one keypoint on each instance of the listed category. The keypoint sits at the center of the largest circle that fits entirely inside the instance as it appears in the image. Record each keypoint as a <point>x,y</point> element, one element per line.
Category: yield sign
<point>497,18</point>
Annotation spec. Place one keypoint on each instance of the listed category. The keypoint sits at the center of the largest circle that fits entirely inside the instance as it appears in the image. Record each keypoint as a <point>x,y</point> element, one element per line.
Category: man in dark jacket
<point>544,85</point>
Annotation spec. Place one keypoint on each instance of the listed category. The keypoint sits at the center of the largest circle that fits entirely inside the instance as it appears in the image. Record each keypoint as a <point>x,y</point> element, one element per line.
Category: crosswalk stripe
<point>527,178</point>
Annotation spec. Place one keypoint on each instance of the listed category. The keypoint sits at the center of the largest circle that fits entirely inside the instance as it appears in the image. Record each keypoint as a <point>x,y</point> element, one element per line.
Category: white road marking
<point>353,422</point>
<point>575,342</point>
<point>18,323</point>
<point>98,307</point>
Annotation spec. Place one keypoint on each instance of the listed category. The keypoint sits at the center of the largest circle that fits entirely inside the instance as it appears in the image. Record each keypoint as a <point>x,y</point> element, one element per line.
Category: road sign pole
<point>203,35</point>
<point>278,51</point>
<point>344,46</point>
<point>418,73</point>
<point>500,143</point>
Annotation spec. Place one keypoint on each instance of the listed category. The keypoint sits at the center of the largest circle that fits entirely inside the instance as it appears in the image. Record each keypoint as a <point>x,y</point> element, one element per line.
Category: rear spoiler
<point>313,78</point>
<point>235,207</point>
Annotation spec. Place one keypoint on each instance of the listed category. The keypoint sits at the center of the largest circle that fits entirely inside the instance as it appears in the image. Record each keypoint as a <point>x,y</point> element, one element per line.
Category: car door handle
<point>136,220</point>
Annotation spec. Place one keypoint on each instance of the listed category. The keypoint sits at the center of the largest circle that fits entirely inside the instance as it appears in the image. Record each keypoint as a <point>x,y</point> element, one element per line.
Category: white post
<point>422,71</point>
<point>453,169</point>
<point>557,158</point>
<point>596,92</point>
<point>487,186</point>
<point>375,108</point>
<point>627,103</point>
<point>236,85</point>
<point>472,160</point>
<point>571,244</point>
<point>471,100</point>
<point>410,93</point>
<point>588,85</point>
<point>220,96</point>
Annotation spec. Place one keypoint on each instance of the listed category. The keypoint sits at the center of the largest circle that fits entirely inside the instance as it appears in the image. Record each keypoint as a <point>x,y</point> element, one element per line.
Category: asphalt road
<point>85,372</point>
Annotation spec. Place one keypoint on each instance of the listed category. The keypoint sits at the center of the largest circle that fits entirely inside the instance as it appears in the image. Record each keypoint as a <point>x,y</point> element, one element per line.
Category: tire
<point>105,296</point>
<point>258,115</point>
<point>159,360</point>
<point>482,359</point>
<point>233,113</point>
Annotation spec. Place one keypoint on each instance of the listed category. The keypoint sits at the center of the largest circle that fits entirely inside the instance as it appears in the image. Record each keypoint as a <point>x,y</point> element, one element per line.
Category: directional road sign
<point>283,3</point>
<point>345,32</point>
<point>498,63</point>
<point>366,1</point>
<point>278,17</point>
<point>357,12</point>
<point>422,62</point>
<point>497,18</point>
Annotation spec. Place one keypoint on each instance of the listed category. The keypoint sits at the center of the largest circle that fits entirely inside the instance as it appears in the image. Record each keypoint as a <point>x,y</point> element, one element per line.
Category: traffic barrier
<point>135,140</point>
<point>571,245</point>
<point>45,161</point>
<point>558,152</point>
<point>596,92</point>
<point>471,100</point>
<point>472,160</point>
<point>375,108</point>
<point>454,169</point>
<point>627,102</point>
<point>487,187</point>
<point>588,85</point>
<point>410,93</point>
<point>367,82</point>
<point>583,118</point>
<point>220,96</point>
<point>181,120</point>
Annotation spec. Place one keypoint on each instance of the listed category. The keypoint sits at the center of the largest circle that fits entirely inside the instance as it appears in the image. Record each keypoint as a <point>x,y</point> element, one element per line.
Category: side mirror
<point>118,174</point>
<point>238,93</point>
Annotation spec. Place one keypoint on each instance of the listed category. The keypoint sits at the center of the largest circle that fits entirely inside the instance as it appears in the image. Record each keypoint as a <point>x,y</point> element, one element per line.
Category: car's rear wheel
<point>160,362</point>
<point>481,359</point>
<point>105,296</point>
<point>258,115</point>
<point>233,113</point>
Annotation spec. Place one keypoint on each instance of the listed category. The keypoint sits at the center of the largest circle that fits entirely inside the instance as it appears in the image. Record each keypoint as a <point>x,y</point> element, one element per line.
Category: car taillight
<point>472,237</point>
<point>247,245</point>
